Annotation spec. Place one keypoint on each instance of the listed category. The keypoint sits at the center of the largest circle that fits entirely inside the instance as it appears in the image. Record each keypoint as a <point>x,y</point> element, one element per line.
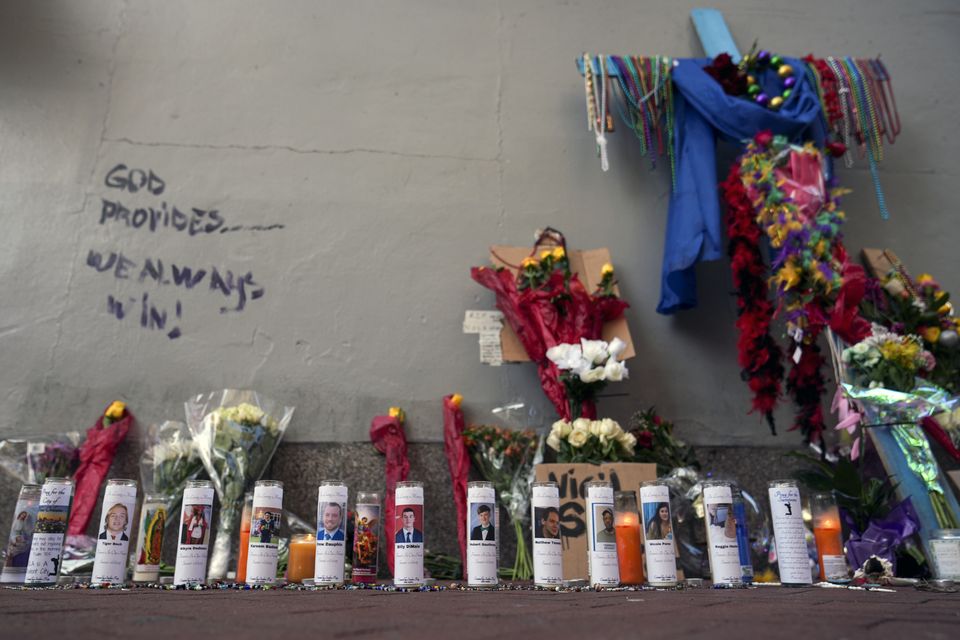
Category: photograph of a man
<point>548,522</point>
<point>606,534</point>
<point>484,529</point>
<point>115,522</point>
<point>331,516</point>
<point>408,531</point>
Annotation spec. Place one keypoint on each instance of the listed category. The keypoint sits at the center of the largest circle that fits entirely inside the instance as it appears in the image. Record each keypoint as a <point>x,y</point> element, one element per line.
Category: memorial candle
<point>303,557</point>
<point>244,538</point>
<point>826,532</point>
<point>629,543</point>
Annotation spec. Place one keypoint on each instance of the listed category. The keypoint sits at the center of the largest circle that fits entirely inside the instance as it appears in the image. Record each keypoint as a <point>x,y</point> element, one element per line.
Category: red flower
<point>645,439</point>
<point>764,138</point>
<point>836,149</point>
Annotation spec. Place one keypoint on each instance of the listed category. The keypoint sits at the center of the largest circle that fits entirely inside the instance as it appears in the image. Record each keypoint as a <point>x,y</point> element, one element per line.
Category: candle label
<point>721,524</point>
<point>835,567</point>
<point>658,539</point>
<point>264,534</point>
<point>482,537</point>
<point>793,561</point>
<point>602,543</point>
<point>331,534</point>
<point>946,558</point>
<point>547,546</point>
<point>408,537</point>
<point>195,518</point>
<point>113,540</point>
<point>153,518</point>
<point>366,539</point>
<point>46,549</point>
<point>20,539</point>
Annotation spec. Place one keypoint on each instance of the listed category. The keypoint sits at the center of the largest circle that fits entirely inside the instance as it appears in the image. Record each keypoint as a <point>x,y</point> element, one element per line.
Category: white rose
<point>553,441</point>
<point>589,376</point>
<point>617,346</point>
<point>628,441</point>
<point>578,437</point>
<point>561,428</point>
<point>565,356</point>
<point>583,424</point>
<point>610,428</point>
<point>594,351</point>
<point>614,371</point>
<point>594,427</point>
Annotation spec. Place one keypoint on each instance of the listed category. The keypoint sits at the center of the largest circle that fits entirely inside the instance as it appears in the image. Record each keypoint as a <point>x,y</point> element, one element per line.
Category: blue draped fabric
<point>702,111</point>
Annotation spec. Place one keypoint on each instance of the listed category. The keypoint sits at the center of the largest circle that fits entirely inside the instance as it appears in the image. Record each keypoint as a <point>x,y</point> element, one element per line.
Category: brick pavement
<point>768,612</point>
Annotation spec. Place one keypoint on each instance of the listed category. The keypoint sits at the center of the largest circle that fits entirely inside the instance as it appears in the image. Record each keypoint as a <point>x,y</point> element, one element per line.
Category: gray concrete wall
<point>393,142</point>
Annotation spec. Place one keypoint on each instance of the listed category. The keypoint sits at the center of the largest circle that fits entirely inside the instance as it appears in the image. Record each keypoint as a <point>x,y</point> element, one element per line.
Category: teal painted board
<point>594,63</point>
<point>909,485</point>
<point>713,33</point>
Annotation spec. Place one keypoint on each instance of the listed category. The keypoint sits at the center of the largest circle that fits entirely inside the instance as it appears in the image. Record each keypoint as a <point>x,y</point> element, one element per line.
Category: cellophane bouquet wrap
<point>169,461</point>
<point>32,459</point>
<point>506,458</point>
<point>236,433</point>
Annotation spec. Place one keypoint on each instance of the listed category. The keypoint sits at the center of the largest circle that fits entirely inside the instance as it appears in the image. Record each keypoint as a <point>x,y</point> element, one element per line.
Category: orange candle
<point>627,532</point>
<point>629,558</point>
<point>827,533</point>
<point>303,557</point>
<point>245,519</point>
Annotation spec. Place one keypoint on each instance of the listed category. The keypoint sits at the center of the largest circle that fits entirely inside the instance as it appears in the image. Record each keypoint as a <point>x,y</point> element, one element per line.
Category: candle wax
<point>301,565</point>
<point>629,556</point>
<point>242,555</point>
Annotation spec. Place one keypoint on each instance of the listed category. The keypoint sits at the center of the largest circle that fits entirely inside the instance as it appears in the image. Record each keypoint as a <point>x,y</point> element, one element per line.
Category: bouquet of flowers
<point>886,359</point>
<point>547,305</point>
<point>32,459</point>
<point>506,457</point>
<point>235,433</point>
<point>921,308</point>
<point>585,368</point>
<point>591,441</point>
<point>169,462</point>
<point>655,443</point>
<point>96,456</point>
<point>883,371</point>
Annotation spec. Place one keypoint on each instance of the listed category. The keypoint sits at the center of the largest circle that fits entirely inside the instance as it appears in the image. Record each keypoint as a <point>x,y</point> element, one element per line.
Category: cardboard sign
<point>586,265</point>
<point>571,478</point>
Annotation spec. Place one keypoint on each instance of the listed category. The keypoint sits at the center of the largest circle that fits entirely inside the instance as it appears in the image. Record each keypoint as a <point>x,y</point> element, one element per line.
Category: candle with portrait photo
<point>330,542</point>
<point>262,553</point>
<point>601,535</point>
<point>721,523</point>
<point>113,541</point>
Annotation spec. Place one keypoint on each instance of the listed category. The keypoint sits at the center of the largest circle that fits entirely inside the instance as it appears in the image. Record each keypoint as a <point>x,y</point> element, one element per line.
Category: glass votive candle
<point>626,518</point>
<point>303,557</point>
<point>945,544</point>
<point>828,536</point>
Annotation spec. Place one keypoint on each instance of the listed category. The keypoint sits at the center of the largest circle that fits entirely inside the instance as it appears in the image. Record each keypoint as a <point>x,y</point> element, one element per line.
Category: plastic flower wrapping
<point>235,433</point>
<point>169,461</point>
<point>32,459</point>
<point>506,457</point>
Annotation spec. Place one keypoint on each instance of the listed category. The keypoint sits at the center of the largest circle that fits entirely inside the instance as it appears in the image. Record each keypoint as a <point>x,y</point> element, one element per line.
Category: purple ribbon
<point>882,535</point>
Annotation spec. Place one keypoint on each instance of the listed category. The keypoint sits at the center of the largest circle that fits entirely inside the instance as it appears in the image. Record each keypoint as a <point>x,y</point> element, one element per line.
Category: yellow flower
<point>396,412</point>
<point>115,410</point>
<point>456,400</point>
<point>925,279</point>
<point>606,270</point>
<point>931,334</point>
<point>529,262</point>
<point>788,275</point>
<point>946,309</point>
<point>545,254</point>
<point>559,254</point>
